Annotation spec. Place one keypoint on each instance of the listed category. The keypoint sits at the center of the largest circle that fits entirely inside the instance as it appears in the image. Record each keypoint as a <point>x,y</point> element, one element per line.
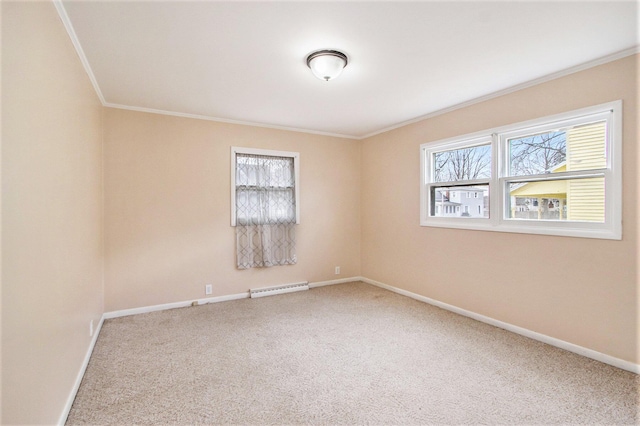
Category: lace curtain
<point>265,211</point>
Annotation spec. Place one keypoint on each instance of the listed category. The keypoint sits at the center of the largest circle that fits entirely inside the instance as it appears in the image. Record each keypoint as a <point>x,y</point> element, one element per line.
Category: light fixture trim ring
<point>327,52</point>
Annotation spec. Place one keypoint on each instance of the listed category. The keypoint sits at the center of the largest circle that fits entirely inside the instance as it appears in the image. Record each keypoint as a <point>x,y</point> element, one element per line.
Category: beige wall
<point>52,214</point>
<point>167,208</point>
<point>580,290</point>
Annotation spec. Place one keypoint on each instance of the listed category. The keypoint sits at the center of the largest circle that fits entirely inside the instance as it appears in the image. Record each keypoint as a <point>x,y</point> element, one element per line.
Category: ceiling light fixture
<point>327,64</point>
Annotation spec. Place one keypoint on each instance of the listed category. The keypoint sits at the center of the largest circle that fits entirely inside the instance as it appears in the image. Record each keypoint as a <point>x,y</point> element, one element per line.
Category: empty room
<point>229,212</point>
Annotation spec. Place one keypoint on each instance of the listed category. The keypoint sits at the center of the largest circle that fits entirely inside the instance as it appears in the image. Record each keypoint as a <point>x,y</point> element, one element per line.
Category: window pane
<point>462,164</point>
<point>557,200</point>
<point>460,201</point>
<point>259,206</point>
<point>265,189</point>
<point>264,171</point>
<point>576,148</point>
<point>538,154</point>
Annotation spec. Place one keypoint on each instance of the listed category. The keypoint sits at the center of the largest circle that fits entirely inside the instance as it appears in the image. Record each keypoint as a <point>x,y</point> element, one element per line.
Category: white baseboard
<point>580,350</point>
<point>165,306</point>
<point>332,282</point>
<point>72,396</point>
<point>185,303</point>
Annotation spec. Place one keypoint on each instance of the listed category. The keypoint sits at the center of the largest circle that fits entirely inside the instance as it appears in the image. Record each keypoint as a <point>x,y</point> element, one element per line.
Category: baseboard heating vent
<point>279,289</point>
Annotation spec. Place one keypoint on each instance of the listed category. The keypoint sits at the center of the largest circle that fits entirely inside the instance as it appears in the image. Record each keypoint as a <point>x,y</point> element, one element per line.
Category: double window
<point>558,175</point>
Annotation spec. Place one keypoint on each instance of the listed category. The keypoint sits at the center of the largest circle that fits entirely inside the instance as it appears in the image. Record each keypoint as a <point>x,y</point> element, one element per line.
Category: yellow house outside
<point>583,198</point>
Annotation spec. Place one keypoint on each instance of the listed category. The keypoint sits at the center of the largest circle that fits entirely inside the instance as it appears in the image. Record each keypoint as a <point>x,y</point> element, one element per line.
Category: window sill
<point>576,229</point>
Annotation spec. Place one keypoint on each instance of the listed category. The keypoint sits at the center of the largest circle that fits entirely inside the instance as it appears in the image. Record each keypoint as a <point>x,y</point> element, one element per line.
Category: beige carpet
<point>343,354</point>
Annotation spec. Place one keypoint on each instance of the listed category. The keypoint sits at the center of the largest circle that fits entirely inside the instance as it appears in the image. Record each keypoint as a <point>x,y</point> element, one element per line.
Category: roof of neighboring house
<point>543,189</point>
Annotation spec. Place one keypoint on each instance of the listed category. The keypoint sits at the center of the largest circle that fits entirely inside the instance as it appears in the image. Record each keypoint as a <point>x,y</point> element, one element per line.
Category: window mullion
<point>496,193</point>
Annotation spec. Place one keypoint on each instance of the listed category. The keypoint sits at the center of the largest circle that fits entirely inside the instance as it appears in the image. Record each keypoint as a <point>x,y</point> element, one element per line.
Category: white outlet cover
<point>208,289</point>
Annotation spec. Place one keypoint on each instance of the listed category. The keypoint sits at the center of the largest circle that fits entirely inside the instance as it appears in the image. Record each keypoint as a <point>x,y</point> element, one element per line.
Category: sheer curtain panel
<point>265,200</point>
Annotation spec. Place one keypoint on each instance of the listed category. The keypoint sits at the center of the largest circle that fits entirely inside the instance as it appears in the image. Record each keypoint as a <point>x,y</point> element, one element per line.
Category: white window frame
<point>266,152</point>
<point>498,220</point>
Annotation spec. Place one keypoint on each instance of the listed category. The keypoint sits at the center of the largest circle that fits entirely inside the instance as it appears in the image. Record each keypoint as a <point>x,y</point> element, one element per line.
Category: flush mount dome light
<point>327,64</point>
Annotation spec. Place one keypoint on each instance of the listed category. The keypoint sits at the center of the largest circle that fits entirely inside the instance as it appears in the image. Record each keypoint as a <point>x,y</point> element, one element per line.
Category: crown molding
<point>581,67</point>
<point>226,120</point>
<point>76,43</point>
<point>549,77</point>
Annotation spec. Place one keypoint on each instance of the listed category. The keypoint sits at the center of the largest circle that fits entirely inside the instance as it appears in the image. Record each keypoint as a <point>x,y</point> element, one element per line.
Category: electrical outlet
<point>337,270</point>
<point>91,329</point>
<point>208,289</point>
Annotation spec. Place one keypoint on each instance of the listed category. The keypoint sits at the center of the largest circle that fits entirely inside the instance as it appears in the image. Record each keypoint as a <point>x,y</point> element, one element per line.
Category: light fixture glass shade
<point>327,64</point>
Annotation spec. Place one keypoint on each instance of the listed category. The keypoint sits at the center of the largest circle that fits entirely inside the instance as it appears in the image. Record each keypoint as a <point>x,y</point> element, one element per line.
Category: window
<point>264,206</point>
<point>559,175</point>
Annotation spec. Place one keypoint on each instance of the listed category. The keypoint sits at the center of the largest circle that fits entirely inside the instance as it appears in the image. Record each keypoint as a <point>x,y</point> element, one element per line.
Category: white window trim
<point>267,152</point>
<point>610,229</point>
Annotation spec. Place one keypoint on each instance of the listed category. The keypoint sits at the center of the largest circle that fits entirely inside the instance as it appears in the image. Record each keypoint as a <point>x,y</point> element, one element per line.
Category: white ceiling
<point>245,61</point>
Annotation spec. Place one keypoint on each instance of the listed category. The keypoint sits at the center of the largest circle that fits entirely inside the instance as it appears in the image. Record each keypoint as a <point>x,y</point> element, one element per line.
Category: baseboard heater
<point>278,289</point>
